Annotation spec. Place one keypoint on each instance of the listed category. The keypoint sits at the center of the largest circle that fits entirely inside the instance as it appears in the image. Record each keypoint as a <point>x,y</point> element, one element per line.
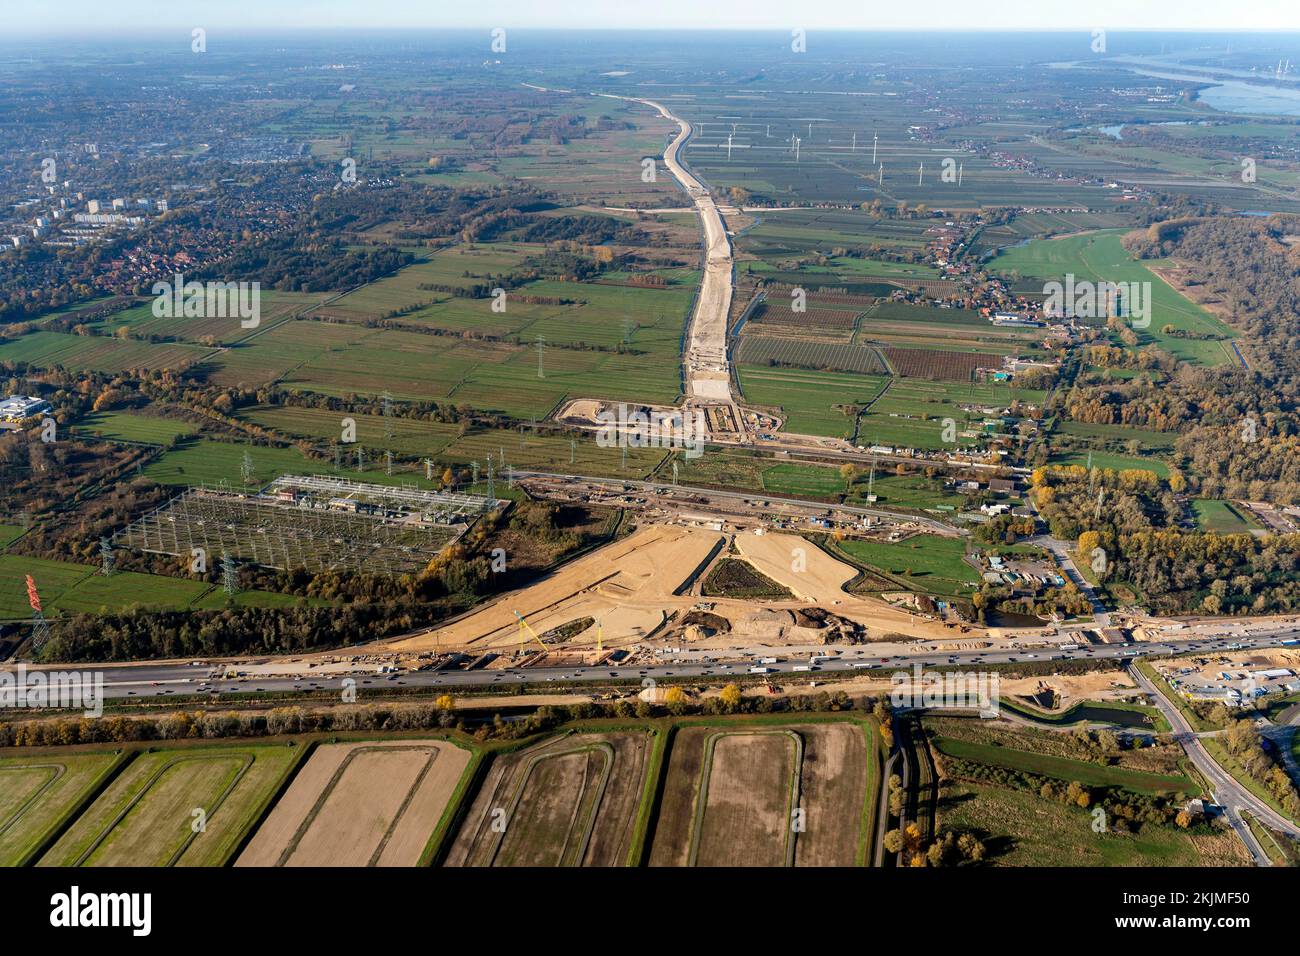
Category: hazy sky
<point>117,16</point>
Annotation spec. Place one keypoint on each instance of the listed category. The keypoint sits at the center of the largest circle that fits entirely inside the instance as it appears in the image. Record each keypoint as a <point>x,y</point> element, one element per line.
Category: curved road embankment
<point>707,370</point>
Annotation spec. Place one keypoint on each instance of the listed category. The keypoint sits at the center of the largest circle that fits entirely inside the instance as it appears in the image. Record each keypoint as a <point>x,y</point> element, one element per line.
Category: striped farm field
<point>815,319</point>
<point>410,436</point>
<point>190,807</point>
<point>937,364</point>
<point>767,795</point>
<point>97,353</point>
<point>38,793</point>
<point>571,801</point>
<point>813,402</point>
<point>827,356</point>
<point>272,307</point>
<point>365,803</point>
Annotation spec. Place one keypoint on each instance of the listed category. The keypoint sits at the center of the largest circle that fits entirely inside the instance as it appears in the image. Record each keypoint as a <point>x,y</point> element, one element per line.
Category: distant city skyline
<point>65,17</point>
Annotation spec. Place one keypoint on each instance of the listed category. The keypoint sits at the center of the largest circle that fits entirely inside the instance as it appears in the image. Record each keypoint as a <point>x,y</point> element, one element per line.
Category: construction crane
<point>525,629</point>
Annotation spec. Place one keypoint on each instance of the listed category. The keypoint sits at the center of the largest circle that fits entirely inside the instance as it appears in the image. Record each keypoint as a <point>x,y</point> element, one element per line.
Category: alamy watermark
<point>210,300</point>
<point>949,690</point>
<point>59,690</point>
<point>639,428</point>
<point>1073,299</point>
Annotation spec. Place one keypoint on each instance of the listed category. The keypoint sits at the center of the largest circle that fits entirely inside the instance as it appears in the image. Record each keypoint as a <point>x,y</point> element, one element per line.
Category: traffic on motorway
<point>180,679</point>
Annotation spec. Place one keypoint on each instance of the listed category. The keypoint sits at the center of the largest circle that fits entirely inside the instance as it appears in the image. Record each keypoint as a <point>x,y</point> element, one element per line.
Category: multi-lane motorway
<point>179,678</point>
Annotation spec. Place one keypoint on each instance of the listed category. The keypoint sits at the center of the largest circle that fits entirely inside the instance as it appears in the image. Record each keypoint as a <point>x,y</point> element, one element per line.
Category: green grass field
<point>791,479</point>
<point>1023,829</point>
<point>147,816</point>
<point>930,563</point>
<point>1102,459</point>
<point>127,426</point>
<point>1223,517</point>
<point>1064,768</point>
<point>1100,256</point>
<point>68,588</point>
<point>907,491</point>
<point>200,461</point>
<point>38,792</point>
<point>809,399</point>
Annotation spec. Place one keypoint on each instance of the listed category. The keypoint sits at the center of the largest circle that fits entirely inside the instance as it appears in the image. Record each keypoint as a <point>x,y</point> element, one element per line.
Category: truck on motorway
<point>767,660</point>
<point>1069,647</point>
<point>802,667</point>
<point>760,670</point>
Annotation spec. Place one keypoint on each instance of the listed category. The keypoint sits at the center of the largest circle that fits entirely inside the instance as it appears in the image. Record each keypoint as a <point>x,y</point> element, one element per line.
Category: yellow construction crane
<point>525,629</point>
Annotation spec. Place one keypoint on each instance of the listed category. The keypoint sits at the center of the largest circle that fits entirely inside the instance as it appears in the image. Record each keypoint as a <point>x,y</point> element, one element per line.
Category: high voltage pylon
<point>229,573</point>
<point>40,629</point>
<point>106,554</point>
<point>388,417</point>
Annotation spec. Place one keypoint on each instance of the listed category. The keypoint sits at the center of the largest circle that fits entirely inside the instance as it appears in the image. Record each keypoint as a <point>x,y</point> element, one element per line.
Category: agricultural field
<point>368,803</point>
<point>39,792</point>
<point>760,350</point>
<point>525,450</point>
<point>1114,438</point>
<point>910,413</point>
<point>905,326</point>
<point>927,562</point>
<point>571,801</point>
<point>146,816</point>
<point>201,461</point>
<point>812,402</point>
<point>133,427</point>
<point>992,239</point>
<point>1099,256</point>
<point>411,437</point>
<point>139,321</point>
<point>767,795</point>
<point>97,353</point>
